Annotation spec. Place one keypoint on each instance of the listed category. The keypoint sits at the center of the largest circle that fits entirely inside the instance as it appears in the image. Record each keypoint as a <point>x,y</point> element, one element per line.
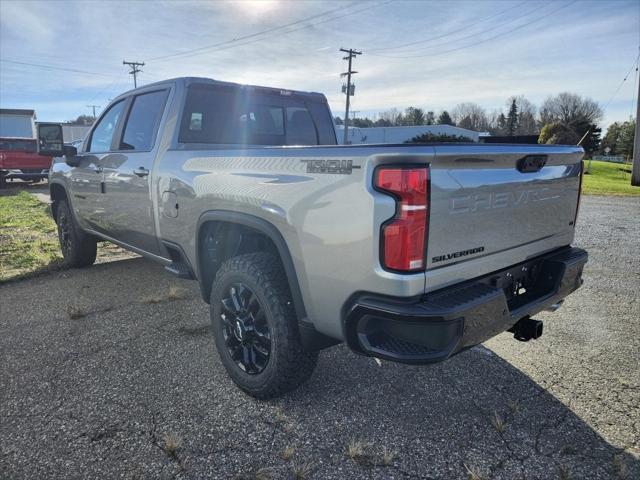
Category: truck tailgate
<point>494,202</point>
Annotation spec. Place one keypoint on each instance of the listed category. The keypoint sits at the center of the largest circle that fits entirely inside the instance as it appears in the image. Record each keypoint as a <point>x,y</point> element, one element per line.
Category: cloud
<point>585,50</point>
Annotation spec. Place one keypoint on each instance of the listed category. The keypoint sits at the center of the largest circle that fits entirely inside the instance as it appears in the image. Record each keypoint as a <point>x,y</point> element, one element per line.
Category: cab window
<point>103,132</point>
<point>142,123</point>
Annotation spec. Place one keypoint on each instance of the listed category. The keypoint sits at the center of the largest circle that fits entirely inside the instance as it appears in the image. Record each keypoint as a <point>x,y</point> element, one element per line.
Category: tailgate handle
<point>531,163</point>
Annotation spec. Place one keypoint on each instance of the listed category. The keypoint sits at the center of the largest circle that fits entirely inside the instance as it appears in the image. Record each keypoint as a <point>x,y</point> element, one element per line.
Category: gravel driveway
<point>111,372</point>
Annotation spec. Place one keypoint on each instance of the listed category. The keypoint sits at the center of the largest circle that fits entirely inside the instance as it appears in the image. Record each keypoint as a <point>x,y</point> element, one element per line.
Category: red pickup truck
<point>19,159</point>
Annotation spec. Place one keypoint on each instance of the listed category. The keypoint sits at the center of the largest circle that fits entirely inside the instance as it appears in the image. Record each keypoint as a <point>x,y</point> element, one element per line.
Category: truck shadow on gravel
<point>136,390</point>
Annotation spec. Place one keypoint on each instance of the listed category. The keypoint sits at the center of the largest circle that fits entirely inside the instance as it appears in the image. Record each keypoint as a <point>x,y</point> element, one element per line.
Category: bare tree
<point>570,109</point>
<point>471,116</point>
<point>389,118</point>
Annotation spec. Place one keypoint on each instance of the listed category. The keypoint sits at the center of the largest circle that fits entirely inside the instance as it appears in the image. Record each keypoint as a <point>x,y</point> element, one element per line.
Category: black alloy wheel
<point>64,233</point>
<point>246,332</point>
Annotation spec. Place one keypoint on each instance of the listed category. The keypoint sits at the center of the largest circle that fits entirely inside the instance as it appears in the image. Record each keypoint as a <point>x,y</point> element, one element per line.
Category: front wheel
<point>78,248</point>
<point>256,328</point>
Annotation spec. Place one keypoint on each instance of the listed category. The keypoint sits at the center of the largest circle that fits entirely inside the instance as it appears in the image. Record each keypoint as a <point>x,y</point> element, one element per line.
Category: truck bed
<point>485,214</point>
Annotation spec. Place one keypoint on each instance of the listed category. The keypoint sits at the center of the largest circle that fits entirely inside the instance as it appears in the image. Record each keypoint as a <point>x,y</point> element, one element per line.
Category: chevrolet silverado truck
<point>410,253</point>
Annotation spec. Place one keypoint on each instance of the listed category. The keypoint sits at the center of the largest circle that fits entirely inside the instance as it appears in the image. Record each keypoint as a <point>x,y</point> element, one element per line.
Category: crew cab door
<point>127,173</point>
<point>87,177</point>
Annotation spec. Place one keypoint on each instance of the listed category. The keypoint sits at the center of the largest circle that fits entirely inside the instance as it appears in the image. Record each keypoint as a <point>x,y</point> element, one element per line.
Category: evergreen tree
<point>445,119</point>
<point>430,118</point>
<point>591,142</point>
<point>501,123</point>
<point>414,116</point>
<point>512,119</point>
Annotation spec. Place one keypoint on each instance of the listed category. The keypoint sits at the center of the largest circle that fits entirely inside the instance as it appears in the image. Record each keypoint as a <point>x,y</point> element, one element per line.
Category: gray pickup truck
<point>410,253</point>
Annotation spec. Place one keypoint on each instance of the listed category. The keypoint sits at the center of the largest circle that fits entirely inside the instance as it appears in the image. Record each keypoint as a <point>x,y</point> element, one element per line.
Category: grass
<point>356,450</point>
<point>514,405</point>
<point>564,473</point>
<point>606,178</point>
<point>174,293</point>
<point>498,422</point>
<point>288,452</point>
<point>172,443</point>
<point>28,238</point>
<point>621,468</point>
<point>472,472</point>
<point>301,471</point>
<point>75,312</point>
<point>388,456</point>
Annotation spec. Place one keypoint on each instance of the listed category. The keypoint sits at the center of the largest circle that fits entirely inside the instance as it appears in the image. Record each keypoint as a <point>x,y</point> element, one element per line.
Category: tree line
<point>563,118</point>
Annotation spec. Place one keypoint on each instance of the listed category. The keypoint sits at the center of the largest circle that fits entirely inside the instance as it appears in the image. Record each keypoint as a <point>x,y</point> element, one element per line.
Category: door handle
<point>98,169</point>
<point>141,172</point>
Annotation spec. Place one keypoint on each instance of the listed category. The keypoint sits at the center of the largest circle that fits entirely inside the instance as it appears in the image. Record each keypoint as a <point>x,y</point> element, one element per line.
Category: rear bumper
<point>26,174</point>
<point>442,323</point>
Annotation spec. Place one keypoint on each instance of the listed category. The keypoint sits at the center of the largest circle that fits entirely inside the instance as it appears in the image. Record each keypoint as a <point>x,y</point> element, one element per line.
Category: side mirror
<point>50,142</point>
<point>71,155</point>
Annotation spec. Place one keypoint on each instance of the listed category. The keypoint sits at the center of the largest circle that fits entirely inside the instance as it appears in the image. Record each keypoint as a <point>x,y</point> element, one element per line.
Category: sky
<point>57,57</point>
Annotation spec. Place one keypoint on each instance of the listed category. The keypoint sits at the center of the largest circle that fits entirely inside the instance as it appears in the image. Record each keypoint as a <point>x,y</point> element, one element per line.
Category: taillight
<point>404,236</point>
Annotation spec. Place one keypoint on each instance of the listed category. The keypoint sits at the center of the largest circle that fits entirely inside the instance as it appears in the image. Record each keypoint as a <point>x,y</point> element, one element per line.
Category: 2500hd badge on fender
<point>410,253</point>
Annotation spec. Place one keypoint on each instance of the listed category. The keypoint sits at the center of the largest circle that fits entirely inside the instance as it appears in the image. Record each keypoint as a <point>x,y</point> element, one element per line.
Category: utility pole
<point>94,109</point>
<point>134,70</point>
<point>635,169</point>
<point>349,89</point>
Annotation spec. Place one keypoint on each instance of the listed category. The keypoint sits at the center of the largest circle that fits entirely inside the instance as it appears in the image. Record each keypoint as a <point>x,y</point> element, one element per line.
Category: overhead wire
<point>483,40</point>
<point>55,67</point>
<point>232,43</point>
<point>635,64</point>
<point>446,34</point>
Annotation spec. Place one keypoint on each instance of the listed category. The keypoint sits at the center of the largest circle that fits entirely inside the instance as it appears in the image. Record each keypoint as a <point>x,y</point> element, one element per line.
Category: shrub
<point>558,133</point>
<point>432,138</point>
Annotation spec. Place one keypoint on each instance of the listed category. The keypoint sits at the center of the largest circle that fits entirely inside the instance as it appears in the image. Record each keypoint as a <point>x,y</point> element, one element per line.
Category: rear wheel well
<point>223,235</point>
<point>218,241</point>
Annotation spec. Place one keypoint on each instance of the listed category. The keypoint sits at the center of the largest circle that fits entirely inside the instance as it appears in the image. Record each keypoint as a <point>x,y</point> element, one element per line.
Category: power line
<point>510,21</point>
<point>134,70</point>
<point>349,89</point>
<point>245,37</point>
<point>635,63</point>
<point>446,34</point>
<point>275,32</point>
<point>54,67</point>
<point>634,99</point>
<point>484,40</point>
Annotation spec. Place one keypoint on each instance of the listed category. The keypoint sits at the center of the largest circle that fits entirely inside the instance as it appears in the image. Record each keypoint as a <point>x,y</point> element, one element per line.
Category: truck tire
<point>255,327</point>
<point>78,248</point>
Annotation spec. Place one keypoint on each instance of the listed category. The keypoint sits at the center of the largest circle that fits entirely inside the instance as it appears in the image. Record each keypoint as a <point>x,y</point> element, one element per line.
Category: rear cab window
<point>18,145</point>
<point>229,115</point>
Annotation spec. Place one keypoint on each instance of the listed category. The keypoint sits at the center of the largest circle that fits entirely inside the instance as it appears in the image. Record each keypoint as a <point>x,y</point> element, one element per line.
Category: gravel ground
<point>110,392</point>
